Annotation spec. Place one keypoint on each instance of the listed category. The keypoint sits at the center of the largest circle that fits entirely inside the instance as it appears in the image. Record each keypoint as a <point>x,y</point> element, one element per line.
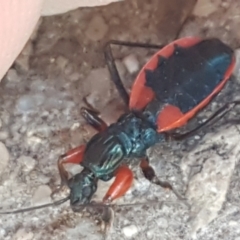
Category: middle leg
<point>150,175</point>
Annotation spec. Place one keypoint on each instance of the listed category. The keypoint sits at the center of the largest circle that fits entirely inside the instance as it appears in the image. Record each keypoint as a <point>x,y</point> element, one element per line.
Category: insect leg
<point>123,181</point>
<point>220,113</point>
<point>112,66</point>
<point>92,118</point>
<point>75,156</point>
<point>150,175</point>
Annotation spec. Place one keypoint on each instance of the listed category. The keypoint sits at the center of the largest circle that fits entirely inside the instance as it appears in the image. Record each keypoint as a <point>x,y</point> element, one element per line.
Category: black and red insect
<point>175,84</point>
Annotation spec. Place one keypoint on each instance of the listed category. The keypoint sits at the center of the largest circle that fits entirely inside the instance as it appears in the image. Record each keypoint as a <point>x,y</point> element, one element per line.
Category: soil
<point>41,97</point>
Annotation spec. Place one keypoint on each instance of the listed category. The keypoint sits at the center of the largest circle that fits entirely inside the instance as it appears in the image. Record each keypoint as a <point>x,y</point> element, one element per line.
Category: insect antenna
<point>81,206</point>
<point>56,203</point>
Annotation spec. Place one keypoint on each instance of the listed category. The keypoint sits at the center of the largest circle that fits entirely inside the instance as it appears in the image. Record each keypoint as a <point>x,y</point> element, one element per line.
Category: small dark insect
<point>175,84</point>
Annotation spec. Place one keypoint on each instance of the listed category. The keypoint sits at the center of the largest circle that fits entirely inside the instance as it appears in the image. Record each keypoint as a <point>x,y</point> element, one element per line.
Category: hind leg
<point>150,175</point>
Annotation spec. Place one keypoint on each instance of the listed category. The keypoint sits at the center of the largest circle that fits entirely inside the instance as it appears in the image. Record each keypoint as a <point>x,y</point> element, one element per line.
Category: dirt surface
<point>41,97</point>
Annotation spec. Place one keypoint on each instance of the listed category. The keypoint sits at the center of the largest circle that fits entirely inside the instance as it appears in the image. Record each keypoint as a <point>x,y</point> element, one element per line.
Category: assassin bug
<point>173,86</point>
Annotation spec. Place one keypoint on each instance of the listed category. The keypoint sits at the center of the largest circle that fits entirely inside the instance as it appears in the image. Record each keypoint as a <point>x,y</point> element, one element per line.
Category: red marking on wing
<point>142,95</point>
<point>168,116</point>
<point>182,120</point>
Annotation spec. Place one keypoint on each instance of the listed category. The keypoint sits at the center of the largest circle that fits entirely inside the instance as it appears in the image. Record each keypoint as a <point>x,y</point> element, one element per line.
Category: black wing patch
<point>189,75</point>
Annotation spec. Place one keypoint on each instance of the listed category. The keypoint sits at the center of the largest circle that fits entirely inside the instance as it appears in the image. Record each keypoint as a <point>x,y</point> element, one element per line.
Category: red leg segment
<point>122,182</point>
<point>75,156</point>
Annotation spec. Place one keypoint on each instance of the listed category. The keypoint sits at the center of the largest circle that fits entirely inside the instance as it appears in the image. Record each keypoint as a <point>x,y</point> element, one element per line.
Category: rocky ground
<point>41,96</point>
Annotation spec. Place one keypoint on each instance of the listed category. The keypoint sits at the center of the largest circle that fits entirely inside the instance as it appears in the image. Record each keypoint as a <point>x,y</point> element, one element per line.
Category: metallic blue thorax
<point>129,137</point>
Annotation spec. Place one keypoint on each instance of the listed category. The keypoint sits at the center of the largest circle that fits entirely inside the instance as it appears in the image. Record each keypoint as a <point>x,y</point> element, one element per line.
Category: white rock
<point>25,103</point>
<point>61,62</point>
<point>68,69</point>
<point>4,157</point>
<point>3,135</point>
<point>30,102</point>
<point>74,76</point>
<point>39,99</point>
<point>233,223</point>
<point>42,195</point>
<point>75,126</point>
<point>162,222</point>
<point>22,234</point>
<point>27,162</point>
<point>121,68</point>
<point>207,189</point>
<point>204,8</point>
<point>38,85</point>
<point>2,232</point>
<point>33,142</point>
<point>130,231</point>
<point>96,85</point>
<point>131,63</point>
<point>150,234</point>
<point>12,75</point>
<point>97,28</point>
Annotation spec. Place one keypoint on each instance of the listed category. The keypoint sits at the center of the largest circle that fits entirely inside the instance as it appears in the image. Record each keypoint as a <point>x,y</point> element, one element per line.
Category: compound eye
<point>86,191</point>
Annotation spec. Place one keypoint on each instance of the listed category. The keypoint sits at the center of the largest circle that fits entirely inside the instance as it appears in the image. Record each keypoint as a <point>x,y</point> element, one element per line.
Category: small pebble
<point>97,28</point>
<point>12,75</point>
<point>197,137</point>
<point>2,233</point>
<point>68,69</point>
<point>75,126</point>
<point>74,76</point>
<point>42,195</point>
<point>131,63</point>
<point>162,223</point>
<point>130,231</point>
<point>38,85</point>
<point>22,234</point>
<point>3,135</point>
<point>121,68</point>
<point>204,8</point>
<point>61,62</point>
<point>150,234</point>
<point>25,103</point>
<point>233,223</point>
<point>27,162</point>
<point>4,157</point>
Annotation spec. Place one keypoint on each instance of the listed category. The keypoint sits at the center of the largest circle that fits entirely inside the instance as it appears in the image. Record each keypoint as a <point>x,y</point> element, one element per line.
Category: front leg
<point>123,181</point>
<point>75,155</point>
<point>150,175</point>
